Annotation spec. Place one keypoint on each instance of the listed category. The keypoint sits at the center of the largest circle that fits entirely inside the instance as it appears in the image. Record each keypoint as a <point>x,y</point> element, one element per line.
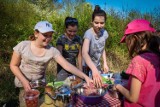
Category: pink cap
<point>137,25</point>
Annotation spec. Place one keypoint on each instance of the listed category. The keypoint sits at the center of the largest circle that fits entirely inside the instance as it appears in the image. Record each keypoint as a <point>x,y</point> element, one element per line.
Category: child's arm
<point>72,69</point>
<point>14,66</point>
<point>131,95</point>
<point>80,59</point>
<point>105,66</point>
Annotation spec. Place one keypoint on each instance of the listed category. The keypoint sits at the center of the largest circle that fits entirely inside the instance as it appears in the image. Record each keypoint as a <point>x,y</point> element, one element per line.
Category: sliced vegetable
<point>58,84</point>
<point>107,80</point>
<point>50,84</point>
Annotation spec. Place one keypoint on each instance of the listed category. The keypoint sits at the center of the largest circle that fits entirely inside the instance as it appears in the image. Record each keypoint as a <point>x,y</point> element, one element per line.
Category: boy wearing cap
<point>30,59</point>
<point>144,83</point>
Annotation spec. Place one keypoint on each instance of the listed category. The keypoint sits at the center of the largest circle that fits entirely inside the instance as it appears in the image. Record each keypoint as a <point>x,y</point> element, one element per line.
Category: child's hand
<point>105,68</point>
<point>26,85</point>
<point>88,81</point>
<point>97,78</point>
<point>116,86</point>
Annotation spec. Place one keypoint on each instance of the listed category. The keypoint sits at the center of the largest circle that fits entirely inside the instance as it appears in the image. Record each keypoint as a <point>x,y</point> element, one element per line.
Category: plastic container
<point>32,98</point>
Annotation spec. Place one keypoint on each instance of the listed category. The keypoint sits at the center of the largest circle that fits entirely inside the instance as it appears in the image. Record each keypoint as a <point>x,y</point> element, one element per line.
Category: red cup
<point>31,98</point>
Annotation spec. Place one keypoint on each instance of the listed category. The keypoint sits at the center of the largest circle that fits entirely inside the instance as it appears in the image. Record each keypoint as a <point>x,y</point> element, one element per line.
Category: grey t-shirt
<point>97,44</point>
<point>33,67</point>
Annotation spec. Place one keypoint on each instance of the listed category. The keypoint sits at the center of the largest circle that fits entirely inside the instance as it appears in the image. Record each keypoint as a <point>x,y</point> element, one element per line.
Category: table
<point>54,104</point>
<point>107,101</point>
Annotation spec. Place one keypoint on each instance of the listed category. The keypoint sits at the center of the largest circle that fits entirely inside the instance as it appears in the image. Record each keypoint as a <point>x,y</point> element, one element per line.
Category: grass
<point>8,92</point>
<point>117,61</point>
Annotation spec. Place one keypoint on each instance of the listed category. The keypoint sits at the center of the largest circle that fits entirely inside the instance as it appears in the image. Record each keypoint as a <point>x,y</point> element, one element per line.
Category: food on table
<point>58,84</point>
<point>31,98</point>
<point>108,80</point>
<point>76,81</point>
<point>67,82</point>
<point>91,90</point>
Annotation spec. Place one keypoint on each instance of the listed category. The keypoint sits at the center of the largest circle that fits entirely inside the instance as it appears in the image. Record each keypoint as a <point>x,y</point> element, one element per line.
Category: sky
<point>141,5</point>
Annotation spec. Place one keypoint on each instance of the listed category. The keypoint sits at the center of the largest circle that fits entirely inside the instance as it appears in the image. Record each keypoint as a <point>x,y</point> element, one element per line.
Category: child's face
<point>98,23</point>
<point>71,30</point>
<point>44,38</point>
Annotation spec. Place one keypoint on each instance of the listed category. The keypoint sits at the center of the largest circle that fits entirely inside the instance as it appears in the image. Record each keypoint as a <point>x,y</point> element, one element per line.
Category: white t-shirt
<point>33,67</point>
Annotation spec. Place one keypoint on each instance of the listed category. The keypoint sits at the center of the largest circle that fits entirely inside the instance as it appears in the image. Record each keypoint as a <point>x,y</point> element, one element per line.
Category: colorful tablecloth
<point>107,101</point>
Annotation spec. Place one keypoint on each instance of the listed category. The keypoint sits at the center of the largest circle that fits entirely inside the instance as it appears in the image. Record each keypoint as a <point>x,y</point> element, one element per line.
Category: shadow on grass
<point>10,103</point>
<point>8,92</point>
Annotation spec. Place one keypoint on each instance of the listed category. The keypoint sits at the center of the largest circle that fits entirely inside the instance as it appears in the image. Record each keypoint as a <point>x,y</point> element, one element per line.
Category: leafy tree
<point>16,22</point>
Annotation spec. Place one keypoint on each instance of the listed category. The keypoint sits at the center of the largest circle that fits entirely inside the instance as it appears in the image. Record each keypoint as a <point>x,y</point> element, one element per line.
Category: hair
<point>154,43</point>
<point>136,41</point>
<point>98,12</point>
<point>157,33</point>
<point>70,21</point>
<point>32,37</point>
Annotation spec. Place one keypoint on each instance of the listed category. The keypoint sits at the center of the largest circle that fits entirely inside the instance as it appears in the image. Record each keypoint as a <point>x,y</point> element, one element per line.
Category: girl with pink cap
<point>143,88</point>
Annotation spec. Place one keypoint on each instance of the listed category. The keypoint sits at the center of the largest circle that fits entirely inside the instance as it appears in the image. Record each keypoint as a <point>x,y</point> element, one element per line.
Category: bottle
<point>48,100</point>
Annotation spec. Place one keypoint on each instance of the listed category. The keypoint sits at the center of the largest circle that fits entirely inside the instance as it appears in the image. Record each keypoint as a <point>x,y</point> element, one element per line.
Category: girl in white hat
<point>30,58</point>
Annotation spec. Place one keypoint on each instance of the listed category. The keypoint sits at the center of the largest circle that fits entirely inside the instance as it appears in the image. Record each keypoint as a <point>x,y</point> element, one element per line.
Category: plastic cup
<point>31,98</point>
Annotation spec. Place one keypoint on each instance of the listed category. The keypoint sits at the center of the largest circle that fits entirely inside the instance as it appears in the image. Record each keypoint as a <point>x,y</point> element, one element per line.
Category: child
<point>69,44</point>
<point>94,45</point>
<point>30,59</point>
<point>144,83</point>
